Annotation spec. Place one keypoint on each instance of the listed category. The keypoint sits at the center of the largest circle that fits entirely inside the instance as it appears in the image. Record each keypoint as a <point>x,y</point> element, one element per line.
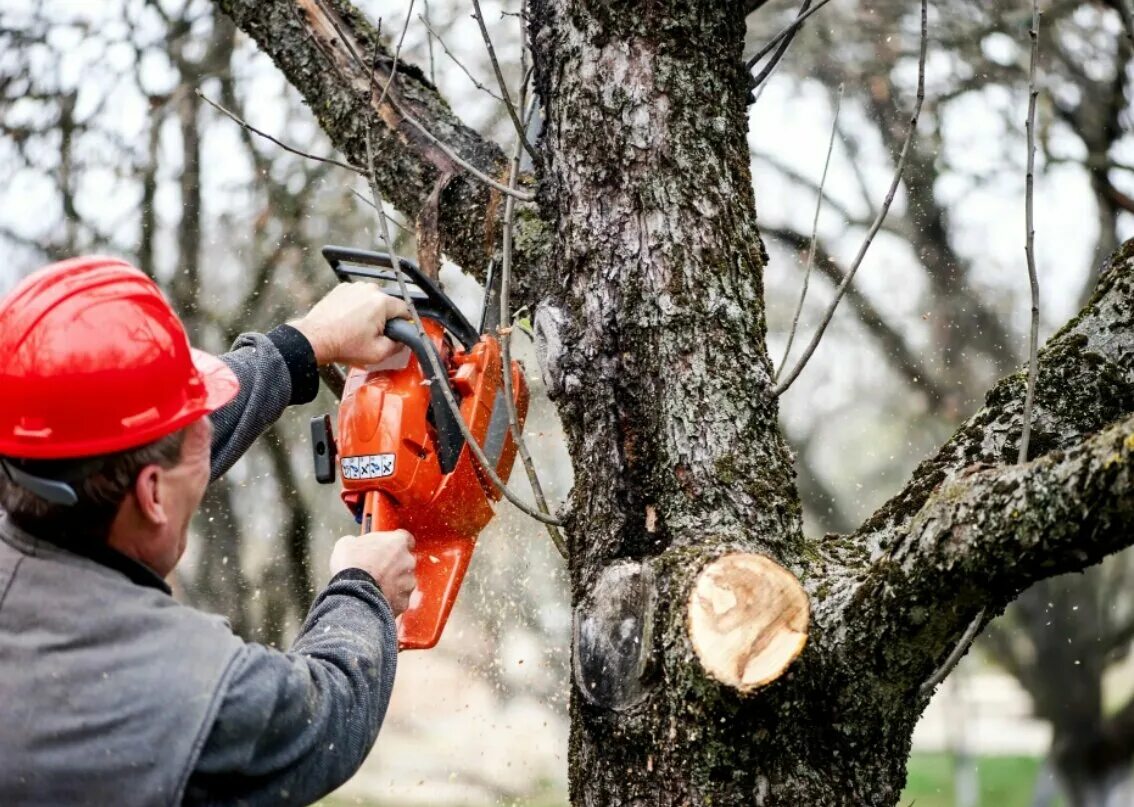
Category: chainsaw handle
<point>378,513</point>
<point>348,263</point>
<point>450,439</point>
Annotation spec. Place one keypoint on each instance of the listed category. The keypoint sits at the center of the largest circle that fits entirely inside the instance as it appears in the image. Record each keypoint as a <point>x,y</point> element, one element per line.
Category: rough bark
<point>651,324</point>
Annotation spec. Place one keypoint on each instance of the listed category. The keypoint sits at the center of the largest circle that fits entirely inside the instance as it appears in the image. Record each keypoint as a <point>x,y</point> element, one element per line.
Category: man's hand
<point>346,325</point>
<point>388,559</point>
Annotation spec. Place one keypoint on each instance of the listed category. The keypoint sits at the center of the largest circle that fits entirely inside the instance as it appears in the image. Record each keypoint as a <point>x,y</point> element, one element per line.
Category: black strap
<point>51,490</point>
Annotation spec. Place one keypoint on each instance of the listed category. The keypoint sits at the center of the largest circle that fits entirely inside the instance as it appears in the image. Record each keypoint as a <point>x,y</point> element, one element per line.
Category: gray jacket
<point>113,693</point>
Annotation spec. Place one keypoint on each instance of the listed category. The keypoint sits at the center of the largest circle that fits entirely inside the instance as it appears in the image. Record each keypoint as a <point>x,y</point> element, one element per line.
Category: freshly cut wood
<point>747,620</point>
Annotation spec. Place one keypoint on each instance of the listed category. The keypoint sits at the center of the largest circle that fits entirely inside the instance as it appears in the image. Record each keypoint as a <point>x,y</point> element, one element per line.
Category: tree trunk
<point>653,307</point>
<point>693,586</point>
<point>1084,785</point>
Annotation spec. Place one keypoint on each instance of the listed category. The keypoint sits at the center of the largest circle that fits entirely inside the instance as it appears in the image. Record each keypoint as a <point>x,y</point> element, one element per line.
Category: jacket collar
<point>101,554</point>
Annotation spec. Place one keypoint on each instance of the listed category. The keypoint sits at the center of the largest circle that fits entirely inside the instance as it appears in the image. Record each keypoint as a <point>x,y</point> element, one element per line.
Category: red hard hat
<point>93,360</point>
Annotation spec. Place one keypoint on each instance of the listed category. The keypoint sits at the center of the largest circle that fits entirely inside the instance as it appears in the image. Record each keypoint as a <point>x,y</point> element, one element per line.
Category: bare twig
<point>785,43</point>
<point>280,143</point>
<point>429,36</point>
<point>504,94</point>
<point>370,204</point>
<point>505,334</point>
<point>397,57</point>
<point>782,386</point>
<point>899,353</point>
<point>814,236</point>
<point>943,671</point>
<point>1030,245</point>
<point>788,31</point>
<point>476,82</point>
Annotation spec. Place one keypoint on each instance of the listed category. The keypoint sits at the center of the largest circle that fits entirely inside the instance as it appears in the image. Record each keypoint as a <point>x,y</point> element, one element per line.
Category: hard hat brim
<point>221,384</point>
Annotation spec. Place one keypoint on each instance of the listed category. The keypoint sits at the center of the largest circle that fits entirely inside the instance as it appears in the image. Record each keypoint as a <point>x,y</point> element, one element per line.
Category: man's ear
<point>148,493</point>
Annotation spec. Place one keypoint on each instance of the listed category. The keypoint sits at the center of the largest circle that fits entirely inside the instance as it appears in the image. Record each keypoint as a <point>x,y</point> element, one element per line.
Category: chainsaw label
<point>371,466</point>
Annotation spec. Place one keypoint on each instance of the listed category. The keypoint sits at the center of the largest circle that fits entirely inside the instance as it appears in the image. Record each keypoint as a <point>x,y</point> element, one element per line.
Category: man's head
<point>138,501</point>
<point>103,434</point>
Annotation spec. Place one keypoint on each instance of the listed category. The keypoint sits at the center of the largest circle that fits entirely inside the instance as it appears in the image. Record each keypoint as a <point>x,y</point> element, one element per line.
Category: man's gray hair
<point>100,492</point>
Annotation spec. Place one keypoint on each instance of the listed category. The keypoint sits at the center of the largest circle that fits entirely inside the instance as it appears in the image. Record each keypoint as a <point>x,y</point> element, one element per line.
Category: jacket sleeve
<point>274,371</point>
<point>294,726</point>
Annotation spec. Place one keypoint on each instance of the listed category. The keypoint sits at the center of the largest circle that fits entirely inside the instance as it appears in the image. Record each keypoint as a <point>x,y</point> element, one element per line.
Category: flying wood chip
<point>747,620</point>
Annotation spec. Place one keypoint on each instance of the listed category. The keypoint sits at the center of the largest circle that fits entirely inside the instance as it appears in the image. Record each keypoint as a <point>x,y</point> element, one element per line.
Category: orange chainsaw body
<point>392,475</point>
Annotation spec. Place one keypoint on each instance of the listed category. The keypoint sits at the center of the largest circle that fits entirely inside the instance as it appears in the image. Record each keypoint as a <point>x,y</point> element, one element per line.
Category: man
<point>110,428</point>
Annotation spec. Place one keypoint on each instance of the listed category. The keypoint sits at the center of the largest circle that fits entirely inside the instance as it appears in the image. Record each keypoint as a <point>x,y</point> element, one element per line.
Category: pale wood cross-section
<point>747,620</point>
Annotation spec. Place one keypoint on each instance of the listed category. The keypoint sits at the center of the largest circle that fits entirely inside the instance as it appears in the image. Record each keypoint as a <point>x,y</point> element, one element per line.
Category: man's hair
<point>100,491</point>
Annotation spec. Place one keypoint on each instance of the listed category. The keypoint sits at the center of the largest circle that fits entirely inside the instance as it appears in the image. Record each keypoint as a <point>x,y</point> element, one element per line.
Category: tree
<point>642,256</point>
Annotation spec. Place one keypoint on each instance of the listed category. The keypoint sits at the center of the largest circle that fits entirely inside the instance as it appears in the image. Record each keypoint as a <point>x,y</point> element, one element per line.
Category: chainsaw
<point>400,450</point>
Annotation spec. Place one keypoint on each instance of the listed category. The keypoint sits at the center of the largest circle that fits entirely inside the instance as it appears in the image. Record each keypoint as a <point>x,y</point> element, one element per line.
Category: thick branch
<point>968,533</point>
<point>1086,380</point>
<point>326,49</point>
<point>1001,529</point>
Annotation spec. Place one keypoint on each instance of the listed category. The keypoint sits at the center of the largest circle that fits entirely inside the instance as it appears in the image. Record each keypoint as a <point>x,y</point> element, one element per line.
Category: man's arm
<point>282,368</point>
<point>274,371</point>
<point>294,726</point>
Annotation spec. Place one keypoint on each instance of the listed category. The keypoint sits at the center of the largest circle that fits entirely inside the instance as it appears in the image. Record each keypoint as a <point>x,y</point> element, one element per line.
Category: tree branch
<point>1000,530</point>
<point>960,537</point>
<point>315,45</point>
<point>1086,380</point>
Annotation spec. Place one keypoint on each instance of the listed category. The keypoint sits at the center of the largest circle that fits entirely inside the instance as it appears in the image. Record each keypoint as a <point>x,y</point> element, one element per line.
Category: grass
<point>1004,782</point>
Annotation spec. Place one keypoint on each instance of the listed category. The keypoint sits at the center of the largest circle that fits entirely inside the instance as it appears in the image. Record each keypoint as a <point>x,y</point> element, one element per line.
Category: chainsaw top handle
<point>430,301</point>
